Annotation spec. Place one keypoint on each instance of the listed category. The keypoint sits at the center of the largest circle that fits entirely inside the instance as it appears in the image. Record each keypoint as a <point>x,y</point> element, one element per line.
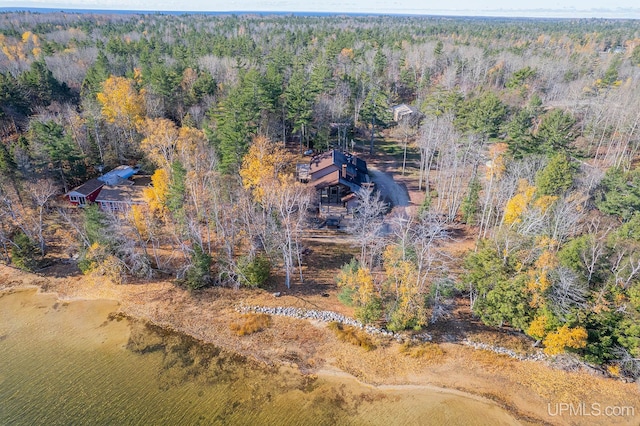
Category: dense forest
<point>528,139</point>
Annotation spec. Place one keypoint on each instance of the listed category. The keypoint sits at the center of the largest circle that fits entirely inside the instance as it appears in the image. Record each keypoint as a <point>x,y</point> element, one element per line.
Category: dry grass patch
<point>425,351</point>
<point>251,323</point>
<point>490,360</point>
<point>353,335</point>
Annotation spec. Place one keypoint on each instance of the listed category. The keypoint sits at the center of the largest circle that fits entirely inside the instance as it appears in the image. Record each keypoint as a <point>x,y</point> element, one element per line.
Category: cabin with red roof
<point>85,193</point>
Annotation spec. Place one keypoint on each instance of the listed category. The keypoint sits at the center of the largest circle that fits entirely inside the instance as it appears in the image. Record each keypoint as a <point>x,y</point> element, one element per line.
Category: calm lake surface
<point>64,363</point>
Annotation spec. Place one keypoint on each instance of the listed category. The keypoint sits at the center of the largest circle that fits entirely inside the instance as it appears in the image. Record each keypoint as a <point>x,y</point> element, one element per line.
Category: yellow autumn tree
<point>519,203</point>
<point>544,202</point>
<point>402,281</point>
<point>26,36</point>
<point>161,140</point>
<point>366,289</point>
<point>558,341</point>
<point>156,195</point>
<point>358,289</point>
<point>347,53</point>
<point>539,281</point>
<point>139,220</point>
<point>265,164</point>
<point>543,323</point>
<point>538,327</point>
<point>192,143</point>
<point>31,41</point>
<point>121,102</point>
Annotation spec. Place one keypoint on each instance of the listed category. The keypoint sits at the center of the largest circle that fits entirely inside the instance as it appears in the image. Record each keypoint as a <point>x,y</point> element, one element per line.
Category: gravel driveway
<point>390,190</point>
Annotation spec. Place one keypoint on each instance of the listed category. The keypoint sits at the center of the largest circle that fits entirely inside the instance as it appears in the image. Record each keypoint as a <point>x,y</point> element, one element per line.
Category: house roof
<point>117,175</point>
<point>122,194</point>
<point>335,178</point>
<point>356,170</point>
<point>338,158</point>
<point>402,110</point>
<point>87,188</point>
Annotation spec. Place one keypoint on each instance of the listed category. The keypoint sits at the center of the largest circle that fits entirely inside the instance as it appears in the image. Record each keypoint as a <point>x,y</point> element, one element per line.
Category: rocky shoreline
<point>330,316</point>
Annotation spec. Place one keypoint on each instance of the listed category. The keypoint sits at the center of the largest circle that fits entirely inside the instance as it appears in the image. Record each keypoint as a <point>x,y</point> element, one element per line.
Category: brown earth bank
<point>533,391</point>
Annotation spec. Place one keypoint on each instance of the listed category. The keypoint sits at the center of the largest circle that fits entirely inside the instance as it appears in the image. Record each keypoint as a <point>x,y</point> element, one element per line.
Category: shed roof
<point>119,174</point>
<point>87,188</point>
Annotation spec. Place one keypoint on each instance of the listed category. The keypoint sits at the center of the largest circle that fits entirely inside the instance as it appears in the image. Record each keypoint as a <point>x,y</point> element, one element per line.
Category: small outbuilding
<point>403,111</point>
<point>85,193</point>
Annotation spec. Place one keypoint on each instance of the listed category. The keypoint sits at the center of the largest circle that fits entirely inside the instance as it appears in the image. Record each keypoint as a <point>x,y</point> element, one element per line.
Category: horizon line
<point>567,13</point>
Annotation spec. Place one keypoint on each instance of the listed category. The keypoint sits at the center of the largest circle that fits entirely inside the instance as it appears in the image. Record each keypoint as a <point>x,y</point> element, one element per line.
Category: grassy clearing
<point>353,335</point>
<point>251,323</point>
<point>394,147</point>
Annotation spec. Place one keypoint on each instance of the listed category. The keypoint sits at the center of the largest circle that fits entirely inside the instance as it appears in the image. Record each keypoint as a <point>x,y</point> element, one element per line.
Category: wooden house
<point>85,193</point>
<point>93,190</point>
<point>335,174</point>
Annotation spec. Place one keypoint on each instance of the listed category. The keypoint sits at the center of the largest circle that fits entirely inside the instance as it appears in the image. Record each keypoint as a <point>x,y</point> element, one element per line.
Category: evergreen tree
<point>557,176</point>
<point>177,191</point>
<point>62,153</point>
<point>375,111</point>
<point>299,98</point>
<point>470,205</point>
<point>96,75</point>
<point>555,132</point>
<point>619,193</point>
<point>482,115</point>
<point>519,137</point>
<point>42,85</point>
<point>237,121</point>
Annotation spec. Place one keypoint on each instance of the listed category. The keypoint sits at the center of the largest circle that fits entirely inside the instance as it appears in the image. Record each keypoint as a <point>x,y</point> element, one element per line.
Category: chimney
<point>344,171</point>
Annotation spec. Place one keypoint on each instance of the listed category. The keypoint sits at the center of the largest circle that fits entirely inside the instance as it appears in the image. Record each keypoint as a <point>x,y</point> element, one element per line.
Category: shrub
<point>254,272</point>
<point>401,319</point>
<point>345,296</point>
<point>24,252</point>
<point>371,311</point>
<point>252,324</point>
<point>353,335</point>
<point>198,275</point>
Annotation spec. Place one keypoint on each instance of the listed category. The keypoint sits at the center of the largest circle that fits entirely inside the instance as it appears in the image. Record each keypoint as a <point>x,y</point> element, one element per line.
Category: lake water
<point>64,363</point>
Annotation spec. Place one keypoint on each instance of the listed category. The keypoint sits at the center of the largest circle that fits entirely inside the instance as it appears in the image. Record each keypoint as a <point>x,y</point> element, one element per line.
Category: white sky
<point>565,8</point>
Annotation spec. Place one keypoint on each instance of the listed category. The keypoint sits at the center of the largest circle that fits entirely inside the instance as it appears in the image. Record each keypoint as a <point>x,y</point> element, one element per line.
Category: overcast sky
<point>567,8</point>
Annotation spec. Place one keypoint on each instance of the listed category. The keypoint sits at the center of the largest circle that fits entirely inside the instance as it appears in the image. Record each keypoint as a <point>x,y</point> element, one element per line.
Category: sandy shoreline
<point>523,388</point>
